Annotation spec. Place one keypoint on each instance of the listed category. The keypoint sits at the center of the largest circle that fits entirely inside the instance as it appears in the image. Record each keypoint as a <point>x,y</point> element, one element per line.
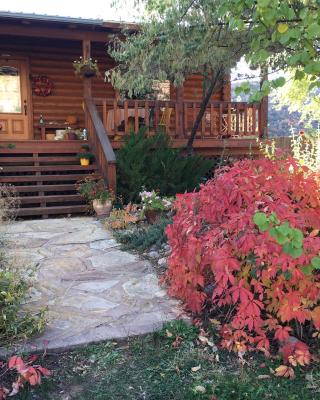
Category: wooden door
<point>15,112</point>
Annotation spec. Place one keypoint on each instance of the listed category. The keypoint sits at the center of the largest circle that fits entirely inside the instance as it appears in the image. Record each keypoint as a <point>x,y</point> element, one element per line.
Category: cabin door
<point>14,108</point>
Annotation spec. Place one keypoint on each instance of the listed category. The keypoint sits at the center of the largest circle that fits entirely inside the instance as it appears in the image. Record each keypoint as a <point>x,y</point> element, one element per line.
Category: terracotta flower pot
<point>72,119</point>
<point>153,215</point>
<point>102,209</point>
<point>84,162</point>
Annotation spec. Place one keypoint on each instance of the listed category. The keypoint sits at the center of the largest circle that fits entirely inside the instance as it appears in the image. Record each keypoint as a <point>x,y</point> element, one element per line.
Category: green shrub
<point>143,238</point>
<point>13,323</point>
<point>14,286</point>
<point>151,163</point>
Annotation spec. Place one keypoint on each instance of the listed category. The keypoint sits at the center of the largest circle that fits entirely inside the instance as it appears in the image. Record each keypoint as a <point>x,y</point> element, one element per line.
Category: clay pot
<point>71,119</point>
<point>153,215</point>
<point>84,162</point>
<point>102,209</point>
<point>50,136</point>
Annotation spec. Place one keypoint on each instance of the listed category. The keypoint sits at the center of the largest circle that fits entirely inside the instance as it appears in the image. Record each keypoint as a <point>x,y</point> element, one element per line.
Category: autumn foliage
<point>261,281</point>
<point>27,372</point>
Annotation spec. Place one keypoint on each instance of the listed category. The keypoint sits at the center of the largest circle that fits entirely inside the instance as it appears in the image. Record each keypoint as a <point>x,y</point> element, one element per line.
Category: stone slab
<point>93,290</point>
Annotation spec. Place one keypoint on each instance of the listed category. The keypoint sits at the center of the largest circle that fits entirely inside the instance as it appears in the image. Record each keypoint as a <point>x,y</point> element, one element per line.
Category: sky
<point>71,8</point>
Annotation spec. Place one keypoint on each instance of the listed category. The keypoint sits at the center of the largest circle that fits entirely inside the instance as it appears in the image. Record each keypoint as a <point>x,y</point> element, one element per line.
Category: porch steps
<point>44,175</point>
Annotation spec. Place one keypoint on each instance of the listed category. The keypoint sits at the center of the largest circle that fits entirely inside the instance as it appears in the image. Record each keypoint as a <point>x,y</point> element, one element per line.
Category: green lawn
<point>150,368</point>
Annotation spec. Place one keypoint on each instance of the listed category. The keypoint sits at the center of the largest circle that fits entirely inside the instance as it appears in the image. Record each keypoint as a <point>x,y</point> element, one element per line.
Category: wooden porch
<point>45,171</point>
<point>221,120</point>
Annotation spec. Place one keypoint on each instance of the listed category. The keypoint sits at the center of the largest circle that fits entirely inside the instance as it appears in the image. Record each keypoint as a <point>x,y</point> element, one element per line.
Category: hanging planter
<point>86,67</point>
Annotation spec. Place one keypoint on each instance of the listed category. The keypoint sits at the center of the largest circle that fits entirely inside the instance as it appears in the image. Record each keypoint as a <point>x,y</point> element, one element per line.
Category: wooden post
<point>226,90</point>
<point>86,53</point>
<point>263,110</point>
<point>180,110</point>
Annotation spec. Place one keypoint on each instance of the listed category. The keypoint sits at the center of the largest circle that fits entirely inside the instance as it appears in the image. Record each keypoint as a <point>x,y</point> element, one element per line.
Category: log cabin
<point>45,106</point>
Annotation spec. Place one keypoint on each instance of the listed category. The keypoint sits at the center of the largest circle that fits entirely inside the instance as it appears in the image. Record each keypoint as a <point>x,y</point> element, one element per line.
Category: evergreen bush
<point>150,162</point>
<point>143,238</point>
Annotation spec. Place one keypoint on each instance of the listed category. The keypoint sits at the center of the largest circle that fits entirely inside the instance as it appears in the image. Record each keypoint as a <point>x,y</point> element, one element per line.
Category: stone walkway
<point>93,290</point>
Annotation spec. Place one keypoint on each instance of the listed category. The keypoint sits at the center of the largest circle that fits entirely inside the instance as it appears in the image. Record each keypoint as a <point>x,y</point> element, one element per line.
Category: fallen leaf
<point>177,341</point>
<point>264,376</point>
<point>283,371</point>
<point>203,339</point>
<point>168,333</point>
<point>200,389</point>
<point>195,369</point>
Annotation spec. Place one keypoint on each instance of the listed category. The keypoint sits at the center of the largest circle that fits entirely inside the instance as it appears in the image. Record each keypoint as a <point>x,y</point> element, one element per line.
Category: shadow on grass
<point>150,368</point>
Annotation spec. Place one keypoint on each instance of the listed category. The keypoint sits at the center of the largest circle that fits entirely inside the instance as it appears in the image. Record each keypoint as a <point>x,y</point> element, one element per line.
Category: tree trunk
<point>215,80</point>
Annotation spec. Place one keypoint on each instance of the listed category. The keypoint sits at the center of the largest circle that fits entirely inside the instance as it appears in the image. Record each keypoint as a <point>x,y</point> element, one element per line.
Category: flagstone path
<point>93,290</point>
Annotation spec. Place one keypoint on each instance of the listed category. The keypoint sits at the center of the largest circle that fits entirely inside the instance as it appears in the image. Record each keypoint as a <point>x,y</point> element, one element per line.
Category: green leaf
<point>299,75</point>
<point>289,249</point>
<point>315,262</point>
<point>297,235</point>
<point>263,3</point>
<point>243,88</point>
<point>278,235</point>
<point>313,30</point>
<point>279,82</point>
<point>287,275</point>
<point>261,220</point>
<point>307,270</point>
<point>274,219</point>
<point>313,67</point>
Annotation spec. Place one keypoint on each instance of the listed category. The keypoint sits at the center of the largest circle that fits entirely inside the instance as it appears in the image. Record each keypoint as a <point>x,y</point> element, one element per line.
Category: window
<point>10,90</point>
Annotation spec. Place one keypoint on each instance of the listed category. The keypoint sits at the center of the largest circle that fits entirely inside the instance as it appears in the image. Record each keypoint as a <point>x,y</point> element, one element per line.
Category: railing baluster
<point>229,127</point>
<point>167,116</point>
<point>104,112</point>
<point>245,123</point>
<point>254,120</point>
<point>156,117</point>
<point>203,124</point>
<point>176,114</point>
<point>136,116</point>
<point>125,111</point>
<point>146,116</point>
<point>211,120</point>
<point>185,107</point>
<point>220,119</point>
<point>237,119</point>
<point>115,117</point>
<point>194,114</point>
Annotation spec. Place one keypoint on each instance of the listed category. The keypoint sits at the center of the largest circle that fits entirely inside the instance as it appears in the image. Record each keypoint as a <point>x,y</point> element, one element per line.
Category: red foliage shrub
<point>27,372</point>
<point>220,259</point>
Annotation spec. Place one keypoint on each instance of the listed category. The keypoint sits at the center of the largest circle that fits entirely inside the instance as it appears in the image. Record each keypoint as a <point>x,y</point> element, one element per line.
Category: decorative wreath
<point>41,85</point>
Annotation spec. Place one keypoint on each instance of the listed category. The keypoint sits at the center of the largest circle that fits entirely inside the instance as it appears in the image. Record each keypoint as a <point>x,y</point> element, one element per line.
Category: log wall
<point>53,58</point>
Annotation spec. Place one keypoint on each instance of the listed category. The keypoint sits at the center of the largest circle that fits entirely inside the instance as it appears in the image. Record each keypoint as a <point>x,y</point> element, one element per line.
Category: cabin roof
<point>97,23</point>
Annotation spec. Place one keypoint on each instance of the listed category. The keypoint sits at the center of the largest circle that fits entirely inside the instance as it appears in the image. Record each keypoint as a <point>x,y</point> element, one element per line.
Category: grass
<point>150,368</point>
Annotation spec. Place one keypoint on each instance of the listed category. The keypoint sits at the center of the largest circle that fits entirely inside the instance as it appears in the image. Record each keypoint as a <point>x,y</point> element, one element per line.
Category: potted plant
<point>97,194</point>
<point>154,205</point>
<point>86,67</point>
<point>85,157</point>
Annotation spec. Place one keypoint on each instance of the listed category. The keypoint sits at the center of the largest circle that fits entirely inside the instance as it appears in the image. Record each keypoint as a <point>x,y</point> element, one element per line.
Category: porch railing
<point>221,119</point>
<point>100,143</point>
